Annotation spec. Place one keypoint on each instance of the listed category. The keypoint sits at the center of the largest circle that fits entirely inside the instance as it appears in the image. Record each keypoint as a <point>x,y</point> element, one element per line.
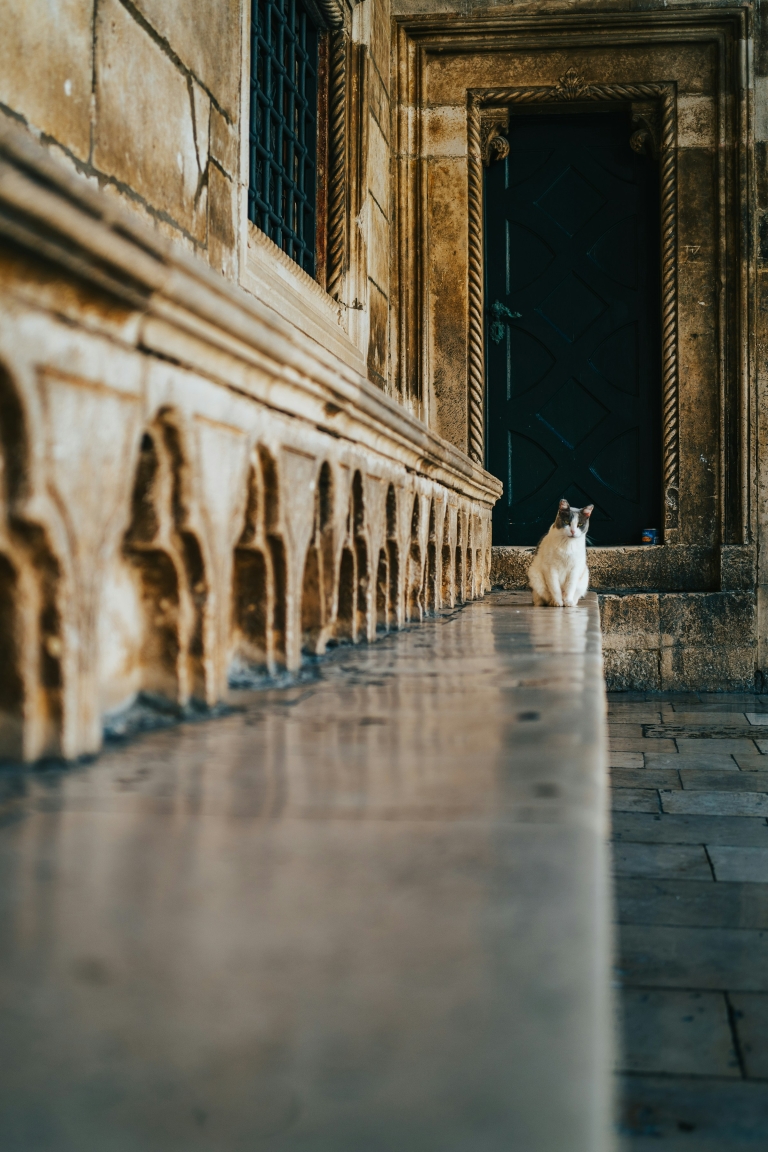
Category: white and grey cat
<point>558,574</point>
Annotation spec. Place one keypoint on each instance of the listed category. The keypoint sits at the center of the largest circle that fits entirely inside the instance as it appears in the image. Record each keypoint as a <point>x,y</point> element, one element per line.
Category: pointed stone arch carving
<point>165,553</point>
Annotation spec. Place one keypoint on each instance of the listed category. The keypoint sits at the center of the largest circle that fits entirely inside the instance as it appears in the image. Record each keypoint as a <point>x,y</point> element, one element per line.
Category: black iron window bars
<point>283,127</point>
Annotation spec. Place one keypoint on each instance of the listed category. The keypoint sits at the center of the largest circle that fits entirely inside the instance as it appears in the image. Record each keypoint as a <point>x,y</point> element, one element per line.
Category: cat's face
<point>573,522</point>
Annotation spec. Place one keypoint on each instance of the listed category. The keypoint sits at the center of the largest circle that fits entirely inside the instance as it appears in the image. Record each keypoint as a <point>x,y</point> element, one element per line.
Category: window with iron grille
<point>283,127</point>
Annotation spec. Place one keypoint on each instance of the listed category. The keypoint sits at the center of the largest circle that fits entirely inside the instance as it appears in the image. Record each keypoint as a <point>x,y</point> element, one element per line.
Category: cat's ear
<point>587,512</point>
<point>564,506</point>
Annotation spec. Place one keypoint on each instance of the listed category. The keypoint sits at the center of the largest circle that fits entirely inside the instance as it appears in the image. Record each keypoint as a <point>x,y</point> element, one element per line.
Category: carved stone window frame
<point>483,131</point>
<point>318,305</point>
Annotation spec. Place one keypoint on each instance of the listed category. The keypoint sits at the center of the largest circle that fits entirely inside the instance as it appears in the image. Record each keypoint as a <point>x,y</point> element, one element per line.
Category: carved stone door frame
<point>570,88</point>
<point>637,59</point>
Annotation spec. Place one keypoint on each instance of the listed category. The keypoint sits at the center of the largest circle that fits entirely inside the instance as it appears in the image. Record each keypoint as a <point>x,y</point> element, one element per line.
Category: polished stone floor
<point>690,805</point>
<point>367,913</point>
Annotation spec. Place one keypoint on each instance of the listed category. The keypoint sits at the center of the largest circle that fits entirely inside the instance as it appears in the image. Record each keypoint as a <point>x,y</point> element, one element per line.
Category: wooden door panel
<point>573,386</point>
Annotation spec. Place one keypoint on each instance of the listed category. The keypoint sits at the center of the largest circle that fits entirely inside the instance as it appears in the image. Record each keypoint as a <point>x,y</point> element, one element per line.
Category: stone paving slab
<point>693,757</point>
<point>683,860</point>
<point>618,730</point>
<point>677,1032</point>
<point>666,829</point>
<point>709,779</point>
<point>641,744</point>
<point>645,778</point>
<point>693,1114</point>
<point>744,865</point>
<point>691,903</point>
<point>366,914</point>
<point>697,958</point>
<point>751,762</point>
<point>705,719</point>
<point>751,1013</point>
<point>618,713</point>
<point>626,760</point>
<point>634,800</point>
<point>691,803</point>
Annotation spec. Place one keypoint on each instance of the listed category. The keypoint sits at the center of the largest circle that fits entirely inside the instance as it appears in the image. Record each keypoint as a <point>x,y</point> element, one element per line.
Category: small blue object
<point>649,536</point>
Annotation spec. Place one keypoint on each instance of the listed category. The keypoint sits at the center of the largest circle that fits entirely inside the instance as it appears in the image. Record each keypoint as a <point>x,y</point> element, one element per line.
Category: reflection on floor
<point>689,780</point>
<point>368,913</point>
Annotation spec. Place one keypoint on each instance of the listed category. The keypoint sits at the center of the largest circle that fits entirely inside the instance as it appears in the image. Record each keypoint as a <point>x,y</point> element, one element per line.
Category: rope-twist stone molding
<point>337,163</point>
<point>573,87</point>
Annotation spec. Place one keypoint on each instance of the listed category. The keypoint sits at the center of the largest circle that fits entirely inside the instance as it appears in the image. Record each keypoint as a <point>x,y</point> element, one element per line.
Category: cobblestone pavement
<point>689,778</point>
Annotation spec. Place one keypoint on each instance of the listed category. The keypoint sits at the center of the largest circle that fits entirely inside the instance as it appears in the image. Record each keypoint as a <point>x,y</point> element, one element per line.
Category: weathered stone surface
<point>447,298</point>
<point>701,719</point>
<point>630,622</point>
<point>694,778</point>
<point>224,143</point>
<point>665,1112</point>
<point>378,306</point>
<point>222,237</point>
<point>380,39</point>
<point>632,669</point>
<point>644,778</point>
<point>718,619</point>
<point>676,1033</point>
<point>145,134</point>
<point>728,667</point>
<point>378,248</point>
<point>751,1012</point>
<point>618,728</point>
<point>509,566</point>
<point>715,803</point>
<point>681,860</point>
<point>627,744</point>
<point>634,800</point>
<point>630,827</point>
<point>378,166</point>
<point>46,59</point>
<point>744,865</point>
<point>693,756</point>
<point>675,957</point>
<point>738,567</point>
<point>625,760</point>
<point>695,903</point>
<point>205,34</point>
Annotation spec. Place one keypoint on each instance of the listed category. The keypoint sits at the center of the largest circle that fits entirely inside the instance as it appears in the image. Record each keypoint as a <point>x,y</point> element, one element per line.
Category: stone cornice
<point>194,316</point>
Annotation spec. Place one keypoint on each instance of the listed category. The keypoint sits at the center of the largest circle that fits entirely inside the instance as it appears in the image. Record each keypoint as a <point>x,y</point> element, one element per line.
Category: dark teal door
<point>573,386</point>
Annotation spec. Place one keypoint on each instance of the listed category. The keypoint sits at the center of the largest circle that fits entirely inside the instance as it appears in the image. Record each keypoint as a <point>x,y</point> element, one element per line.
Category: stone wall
<point>192,492</point>
<point>149,101</point>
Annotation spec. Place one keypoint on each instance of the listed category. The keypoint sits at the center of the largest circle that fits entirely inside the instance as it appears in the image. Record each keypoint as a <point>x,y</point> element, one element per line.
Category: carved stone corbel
<point>494,126</point>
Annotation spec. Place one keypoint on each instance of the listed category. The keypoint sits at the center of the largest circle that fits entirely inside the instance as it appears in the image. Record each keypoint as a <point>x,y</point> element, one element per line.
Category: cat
<point>558,574</point>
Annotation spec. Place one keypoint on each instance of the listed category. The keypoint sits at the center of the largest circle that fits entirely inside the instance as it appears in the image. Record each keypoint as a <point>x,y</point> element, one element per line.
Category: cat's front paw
<point>556,603</point>
<point>571,603</point>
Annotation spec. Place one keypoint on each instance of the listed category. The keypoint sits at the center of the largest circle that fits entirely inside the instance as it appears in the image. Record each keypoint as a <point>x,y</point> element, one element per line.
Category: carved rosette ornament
<point>654,112</point>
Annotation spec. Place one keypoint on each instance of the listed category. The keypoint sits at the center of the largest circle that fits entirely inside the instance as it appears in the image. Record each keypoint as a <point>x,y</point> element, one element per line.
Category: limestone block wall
<point>149,100</point>
<point>191,493</point>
